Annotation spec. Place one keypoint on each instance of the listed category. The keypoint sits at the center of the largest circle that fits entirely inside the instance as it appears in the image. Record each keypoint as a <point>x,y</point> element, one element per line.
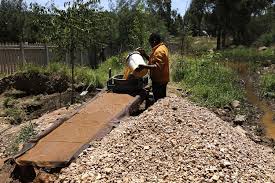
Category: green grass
<point>16,115</point>
<point>267,83</point>
<point>24,135</point>
<point>97,77</point>
<point>248,54</point>
<point>8,102</point>
<point>201,45</point>
<point>116,63</point>
<point>210,83</point>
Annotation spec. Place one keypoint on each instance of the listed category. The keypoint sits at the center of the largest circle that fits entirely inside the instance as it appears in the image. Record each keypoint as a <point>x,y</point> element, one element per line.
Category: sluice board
<point>65,141</point>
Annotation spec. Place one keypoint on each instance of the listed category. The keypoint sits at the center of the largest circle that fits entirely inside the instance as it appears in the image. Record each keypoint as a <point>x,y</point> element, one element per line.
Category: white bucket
<point>134,59</point>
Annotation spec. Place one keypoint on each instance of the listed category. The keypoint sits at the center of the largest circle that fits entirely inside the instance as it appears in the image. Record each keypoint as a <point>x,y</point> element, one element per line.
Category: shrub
<point>97,77</point>
<point>116,63</point>
<point>15,115</point>
<point>266,39</point>
<point>267,83</point>
<point>210,83</point>
<point>24,135</point>
<point>247,54</point>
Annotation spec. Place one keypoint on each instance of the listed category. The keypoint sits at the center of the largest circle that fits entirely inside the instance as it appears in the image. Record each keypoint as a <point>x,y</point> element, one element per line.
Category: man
<point>158,65</point>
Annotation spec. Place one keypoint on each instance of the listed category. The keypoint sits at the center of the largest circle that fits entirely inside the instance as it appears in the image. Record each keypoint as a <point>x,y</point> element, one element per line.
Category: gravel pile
<point>173,141</point>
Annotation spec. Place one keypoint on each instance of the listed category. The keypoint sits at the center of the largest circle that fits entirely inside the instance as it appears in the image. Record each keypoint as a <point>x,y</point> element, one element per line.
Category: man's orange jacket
<point>159,57</point>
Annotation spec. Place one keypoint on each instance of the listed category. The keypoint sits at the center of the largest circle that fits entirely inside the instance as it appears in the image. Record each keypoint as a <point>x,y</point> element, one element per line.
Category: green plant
<point>15,115</point>
<point>116,63</point>
<point>247,54</point>
<point>210,83</point>
<point>8,102</point>
<point>58,69</point>
<point>267,83</point>
<point>30,68</point>
<point>24,135</point>
<point>266,39</point>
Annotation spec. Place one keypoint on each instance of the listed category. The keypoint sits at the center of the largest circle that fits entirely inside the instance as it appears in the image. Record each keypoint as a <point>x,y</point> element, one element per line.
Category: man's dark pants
<point>159,90</point>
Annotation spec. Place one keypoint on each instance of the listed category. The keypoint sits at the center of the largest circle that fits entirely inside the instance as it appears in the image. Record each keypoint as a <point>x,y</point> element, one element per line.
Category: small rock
<point>212,169</point>
<point>220,112</point>
<point>239,119</point>
<point>240,130</point>
<point>146,147</point>
<point>225,163</point>
<point>108,170</point>
<point>98,177</point>
<point>263,48</point>
<point>215,177</point>
<point>235,104</point>
<point>84,176</point>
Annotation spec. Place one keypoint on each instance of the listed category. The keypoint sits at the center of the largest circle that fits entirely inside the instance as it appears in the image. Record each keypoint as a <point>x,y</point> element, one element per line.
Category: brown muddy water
<point>243,68</point>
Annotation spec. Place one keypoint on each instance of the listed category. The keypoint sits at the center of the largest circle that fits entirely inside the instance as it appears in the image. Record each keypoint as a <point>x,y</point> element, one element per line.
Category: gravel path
<point>173,141</point>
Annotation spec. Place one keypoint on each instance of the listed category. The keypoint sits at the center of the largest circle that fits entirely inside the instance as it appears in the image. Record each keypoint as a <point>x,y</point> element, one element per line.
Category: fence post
<point>47,54</point>
<point>22,53</point>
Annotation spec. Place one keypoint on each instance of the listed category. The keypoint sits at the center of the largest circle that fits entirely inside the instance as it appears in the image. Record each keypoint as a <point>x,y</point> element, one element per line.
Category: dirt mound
<point>34,83</point>
<point>5,84</point>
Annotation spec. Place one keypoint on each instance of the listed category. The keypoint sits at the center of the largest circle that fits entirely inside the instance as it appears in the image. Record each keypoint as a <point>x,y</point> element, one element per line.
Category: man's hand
<point>140,68</point>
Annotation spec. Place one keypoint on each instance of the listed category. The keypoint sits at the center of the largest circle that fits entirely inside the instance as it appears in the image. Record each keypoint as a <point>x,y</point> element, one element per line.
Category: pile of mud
<point>34,83</point>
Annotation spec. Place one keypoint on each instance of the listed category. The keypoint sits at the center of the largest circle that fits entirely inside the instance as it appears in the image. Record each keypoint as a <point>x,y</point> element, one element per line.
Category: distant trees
<point>128,24</point>
<point>12,13</point>
<point>222,18</point>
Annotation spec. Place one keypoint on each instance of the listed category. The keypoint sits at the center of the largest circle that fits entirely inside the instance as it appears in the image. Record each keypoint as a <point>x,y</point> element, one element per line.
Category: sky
<point>179,5</point>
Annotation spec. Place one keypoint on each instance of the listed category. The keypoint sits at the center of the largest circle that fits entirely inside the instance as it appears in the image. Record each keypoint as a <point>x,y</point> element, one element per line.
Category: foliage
<point>24,135</point>
<point>86,75</point>
<point>15,115</point>
<point>223,18</point>
<point>267,83</point>
<point>8,102</point>
<point>116,63</point>
<point>266,39</point>
<point>210,84</point>
<point>12,20</point>
<point>248,54</point>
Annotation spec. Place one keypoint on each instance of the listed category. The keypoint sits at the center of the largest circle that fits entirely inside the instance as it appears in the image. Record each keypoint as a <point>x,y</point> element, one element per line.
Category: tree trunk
<point>219,38</point>
<point>223,38</point>
<point>72,70</point>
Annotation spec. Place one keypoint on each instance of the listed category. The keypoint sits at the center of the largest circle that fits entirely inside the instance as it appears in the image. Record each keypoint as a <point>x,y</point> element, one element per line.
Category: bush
<point>8,102</point>
<point>97,77</point>
<point>248,54</point>
<point>116,63</point>
<point>15,115</point>
<point>267,82</point>
<point>24,135</point>
<point>58,69</point>
<point>210,83</point>
<point>266,39</point>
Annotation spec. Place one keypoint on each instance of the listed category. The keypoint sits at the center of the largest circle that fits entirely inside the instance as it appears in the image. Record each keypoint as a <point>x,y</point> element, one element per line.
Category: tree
<point>135,23</point>
<point>77,26</point>
<point>229,17</point>
<point>12,20</point>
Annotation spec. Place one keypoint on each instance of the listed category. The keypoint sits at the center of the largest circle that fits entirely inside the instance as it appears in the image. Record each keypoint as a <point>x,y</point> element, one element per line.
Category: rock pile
<point>173,141</point>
